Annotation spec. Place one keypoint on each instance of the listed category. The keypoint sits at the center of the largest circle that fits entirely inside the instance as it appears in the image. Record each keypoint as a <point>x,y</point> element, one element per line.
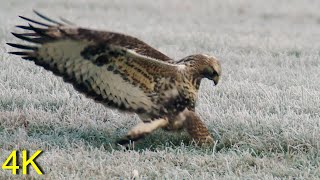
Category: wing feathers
<point>114,69</point>
<point>19,53</point>
<point>48,19</point>
<point>36,22</point>
<point>125,41</point>
<point>22,46</point>
<point>25,27</point>
<point>25,37</point>
<point>66,21</point>
<point>39,31</point>
<point>111,38</point>
<point>29,58</point>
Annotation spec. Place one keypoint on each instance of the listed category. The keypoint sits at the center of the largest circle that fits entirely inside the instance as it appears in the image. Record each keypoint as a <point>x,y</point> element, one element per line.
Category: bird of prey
<point>122,72</point>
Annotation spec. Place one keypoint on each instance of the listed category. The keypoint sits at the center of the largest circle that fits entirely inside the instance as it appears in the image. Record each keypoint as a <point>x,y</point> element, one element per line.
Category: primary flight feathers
<point>120,72</point>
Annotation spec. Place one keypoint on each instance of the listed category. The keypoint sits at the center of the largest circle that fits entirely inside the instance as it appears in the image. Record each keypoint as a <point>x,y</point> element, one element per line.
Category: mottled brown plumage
<point>123,72</point>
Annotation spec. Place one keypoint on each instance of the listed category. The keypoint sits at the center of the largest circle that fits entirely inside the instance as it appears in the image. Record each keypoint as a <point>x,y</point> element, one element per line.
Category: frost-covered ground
<point>265,113</point>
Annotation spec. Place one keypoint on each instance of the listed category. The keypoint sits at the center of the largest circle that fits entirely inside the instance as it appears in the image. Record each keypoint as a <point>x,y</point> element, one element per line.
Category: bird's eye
<point>208,72</point>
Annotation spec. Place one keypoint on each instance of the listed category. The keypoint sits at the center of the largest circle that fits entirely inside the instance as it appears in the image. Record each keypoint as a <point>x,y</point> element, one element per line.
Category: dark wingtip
<point>19,53</point>
<point>37,30</point>
<point>24,27</point>
<point>16,34</point>
<point>20,36</point>
<point>24,55</point>
<point>47,19</point>
<point>35,11</point>
<point>36,22</point>
<point>29,58</point>
<point>23,37</point>
<point>22,46</point>
<point>10,44</point>
<point>67,21</point>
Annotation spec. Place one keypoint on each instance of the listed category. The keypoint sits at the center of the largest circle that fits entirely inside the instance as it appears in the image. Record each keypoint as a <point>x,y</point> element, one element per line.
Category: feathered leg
<point>142,129</point>
<point>197,129</point>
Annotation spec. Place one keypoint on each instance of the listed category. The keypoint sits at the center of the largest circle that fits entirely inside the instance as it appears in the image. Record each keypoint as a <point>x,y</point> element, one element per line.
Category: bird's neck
<point>194,78</point>
<point>196,82</point>
<point>192,71</point>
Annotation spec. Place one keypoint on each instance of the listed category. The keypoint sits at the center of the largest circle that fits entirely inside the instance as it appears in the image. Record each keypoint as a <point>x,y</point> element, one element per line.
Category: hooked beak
<point>215,79</point>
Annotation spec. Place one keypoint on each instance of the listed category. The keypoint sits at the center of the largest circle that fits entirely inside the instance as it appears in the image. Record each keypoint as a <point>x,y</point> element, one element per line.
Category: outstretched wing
<point>110,68</point>
<point>111,38</point>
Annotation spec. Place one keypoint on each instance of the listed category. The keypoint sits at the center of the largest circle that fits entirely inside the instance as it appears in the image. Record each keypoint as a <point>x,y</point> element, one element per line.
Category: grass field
<point>265,113</point>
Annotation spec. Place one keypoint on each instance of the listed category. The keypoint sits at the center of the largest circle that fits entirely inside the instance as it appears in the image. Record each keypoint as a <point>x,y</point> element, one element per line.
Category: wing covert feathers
<point>117,70</point>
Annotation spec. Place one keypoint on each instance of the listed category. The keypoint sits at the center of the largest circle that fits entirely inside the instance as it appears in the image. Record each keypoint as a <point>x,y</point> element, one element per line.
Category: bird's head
<point>210,69</point>
<point>203,66</point>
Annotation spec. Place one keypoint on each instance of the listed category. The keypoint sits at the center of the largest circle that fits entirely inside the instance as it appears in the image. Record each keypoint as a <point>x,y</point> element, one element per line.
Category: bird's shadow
<point>64,137</point>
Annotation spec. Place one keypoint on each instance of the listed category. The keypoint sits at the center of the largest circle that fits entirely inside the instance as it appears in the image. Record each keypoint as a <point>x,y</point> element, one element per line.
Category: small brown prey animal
<point>122,72</point>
